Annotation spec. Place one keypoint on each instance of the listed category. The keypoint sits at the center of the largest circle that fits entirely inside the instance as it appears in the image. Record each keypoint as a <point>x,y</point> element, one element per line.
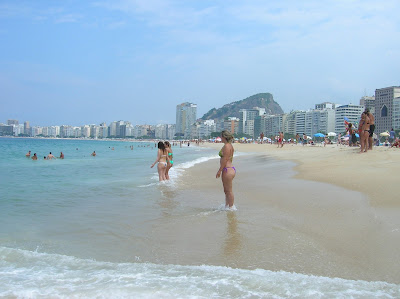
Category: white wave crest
<point>28,274</point>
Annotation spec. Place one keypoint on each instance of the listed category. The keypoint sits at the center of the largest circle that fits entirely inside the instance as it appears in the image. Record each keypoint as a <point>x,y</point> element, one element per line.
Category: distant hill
<point>262,100</point>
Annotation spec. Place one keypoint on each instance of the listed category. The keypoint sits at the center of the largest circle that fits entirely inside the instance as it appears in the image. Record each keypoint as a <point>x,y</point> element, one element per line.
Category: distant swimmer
<point>226,170</point>
<point>61,155</point>
<point>28,154</point>
<point>34,157</point>
<point>93,154</point>
<point>50,156</point>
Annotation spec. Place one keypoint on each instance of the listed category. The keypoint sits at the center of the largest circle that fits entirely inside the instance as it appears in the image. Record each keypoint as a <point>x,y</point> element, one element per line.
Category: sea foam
<point>34,274</point>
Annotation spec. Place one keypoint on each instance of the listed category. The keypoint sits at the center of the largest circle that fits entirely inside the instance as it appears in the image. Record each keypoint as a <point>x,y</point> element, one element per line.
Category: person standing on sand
<point>371,128</point>
<point>364,132</point>
<point>162,161</point>
<point>226,171</point>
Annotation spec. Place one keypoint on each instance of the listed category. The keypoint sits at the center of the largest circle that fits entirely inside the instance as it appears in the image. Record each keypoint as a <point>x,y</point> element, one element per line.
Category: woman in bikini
<point>364,132</point>
<point>170,158</point>
<point>226,169</point>
<point>161,160</point>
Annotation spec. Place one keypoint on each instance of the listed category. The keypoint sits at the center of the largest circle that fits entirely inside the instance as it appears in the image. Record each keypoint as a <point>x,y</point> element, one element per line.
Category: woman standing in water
<point>170,158</point>
<point>226,169</point>
<point>162,161</point>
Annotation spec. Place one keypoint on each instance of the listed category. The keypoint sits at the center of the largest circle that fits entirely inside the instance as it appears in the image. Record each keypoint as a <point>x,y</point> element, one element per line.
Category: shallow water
<point>103,226</point>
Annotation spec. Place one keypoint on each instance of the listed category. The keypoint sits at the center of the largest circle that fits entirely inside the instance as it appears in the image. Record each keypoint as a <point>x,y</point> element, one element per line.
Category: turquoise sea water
<point>90,227</point>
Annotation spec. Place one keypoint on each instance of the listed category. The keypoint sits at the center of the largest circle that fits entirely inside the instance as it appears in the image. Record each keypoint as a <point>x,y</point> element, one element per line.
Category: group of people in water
<point>50,156</point>
<point>164,160</point>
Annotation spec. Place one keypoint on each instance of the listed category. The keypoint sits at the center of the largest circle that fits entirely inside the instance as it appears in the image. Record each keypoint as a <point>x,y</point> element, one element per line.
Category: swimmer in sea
<point>226,170</point>
<point>28,154</point>
<point>34,157</point>
<point>161,160</point>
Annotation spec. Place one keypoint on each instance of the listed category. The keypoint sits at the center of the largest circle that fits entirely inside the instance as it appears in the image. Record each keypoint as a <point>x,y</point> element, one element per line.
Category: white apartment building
<point>351,112</point>
<point>160,131</point>
<point>396,113</point>
<point>85,131</point>
<point>319,121</point>
<point>140,130</point>
<point>186,115</point>
<point>271,125</point>
<point>368,102</point>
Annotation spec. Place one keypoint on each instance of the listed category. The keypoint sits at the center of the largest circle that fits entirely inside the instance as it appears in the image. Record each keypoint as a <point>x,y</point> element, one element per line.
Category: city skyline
<point>95,62</point>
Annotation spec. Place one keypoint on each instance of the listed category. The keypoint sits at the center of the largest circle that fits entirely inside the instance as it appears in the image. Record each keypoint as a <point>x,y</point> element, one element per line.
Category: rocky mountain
<point>262,100</point>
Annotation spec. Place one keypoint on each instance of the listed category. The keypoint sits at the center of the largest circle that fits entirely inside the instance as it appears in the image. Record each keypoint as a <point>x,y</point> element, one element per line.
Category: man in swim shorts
<point>371,127</point>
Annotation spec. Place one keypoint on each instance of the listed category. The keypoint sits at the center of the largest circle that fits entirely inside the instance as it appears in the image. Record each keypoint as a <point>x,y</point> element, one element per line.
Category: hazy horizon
<point>99,61</point>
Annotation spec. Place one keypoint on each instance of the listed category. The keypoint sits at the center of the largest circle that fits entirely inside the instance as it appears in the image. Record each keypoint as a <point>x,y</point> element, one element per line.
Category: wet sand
<point>288,217</point>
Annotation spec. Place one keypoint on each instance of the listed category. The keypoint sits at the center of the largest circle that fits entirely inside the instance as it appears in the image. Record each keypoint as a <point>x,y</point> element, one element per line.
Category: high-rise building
<point>271,125</point>
<point>27,128</point>
<point>186,115</point>
<point>350,112</point>
<point>231,125</point>
<point>368,103</point>
<point>11,122</point>
<point>250,121</point>
<point>384,108</point>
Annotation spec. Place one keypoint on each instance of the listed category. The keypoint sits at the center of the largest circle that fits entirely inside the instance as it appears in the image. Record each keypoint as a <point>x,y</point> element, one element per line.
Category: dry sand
<point>375,173</point>
<point>325,211</point>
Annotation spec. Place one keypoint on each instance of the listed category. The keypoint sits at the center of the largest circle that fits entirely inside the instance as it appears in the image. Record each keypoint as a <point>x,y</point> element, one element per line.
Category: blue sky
<point>84,62</point>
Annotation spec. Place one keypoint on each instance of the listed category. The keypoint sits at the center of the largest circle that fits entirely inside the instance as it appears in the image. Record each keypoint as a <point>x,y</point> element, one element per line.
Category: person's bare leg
<point>227,178</point>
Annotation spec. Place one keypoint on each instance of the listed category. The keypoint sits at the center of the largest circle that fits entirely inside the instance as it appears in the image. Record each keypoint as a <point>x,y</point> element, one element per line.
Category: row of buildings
<point>325,117</point>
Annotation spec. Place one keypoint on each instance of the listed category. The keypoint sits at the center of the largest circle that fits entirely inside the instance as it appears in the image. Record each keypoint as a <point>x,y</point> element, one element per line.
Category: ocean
<point>105,227</point>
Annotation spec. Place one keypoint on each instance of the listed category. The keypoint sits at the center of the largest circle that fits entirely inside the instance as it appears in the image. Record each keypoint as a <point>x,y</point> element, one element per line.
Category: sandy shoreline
<point>374,173</point>
<point>319,211</point>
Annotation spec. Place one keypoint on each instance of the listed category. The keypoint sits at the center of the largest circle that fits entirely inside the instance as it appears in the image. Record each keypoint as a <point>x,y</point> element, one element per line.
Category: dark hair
<point>167,143</point>
<point>161,145</point>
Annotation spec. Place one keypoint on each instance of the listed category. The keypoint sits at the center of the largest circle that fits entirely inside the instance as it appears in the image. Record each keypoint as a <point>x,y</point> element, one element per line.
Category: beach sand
<point>325,211</point>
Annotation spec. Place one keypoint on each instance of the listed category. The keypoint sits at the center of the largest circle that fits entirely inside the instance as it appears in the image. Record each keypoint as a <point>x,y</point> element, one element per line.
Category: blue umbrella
<point>358,136</point>
<point>319,135</point>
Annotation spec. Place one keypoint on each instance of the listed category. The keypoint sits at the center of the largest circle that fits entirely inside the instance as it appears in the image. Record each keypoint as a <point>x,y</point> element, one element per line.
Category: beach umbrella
<point>384,134</point>
<point>319,135</point>
<point>218,139</point>
<point>308,137</point>
<point>331,134</point>
<point>358,136</point>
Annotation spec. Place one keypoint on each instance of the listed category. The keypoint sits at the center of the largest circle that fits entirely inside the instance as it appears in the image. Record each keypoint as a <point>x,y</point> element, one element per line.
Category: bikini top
<point>221,155</point>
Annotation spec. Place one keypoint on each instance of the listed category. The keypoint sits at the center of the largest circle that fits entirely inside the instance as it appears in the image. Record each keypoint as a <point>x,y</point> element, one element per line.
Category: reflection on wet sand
<point>233,241</point>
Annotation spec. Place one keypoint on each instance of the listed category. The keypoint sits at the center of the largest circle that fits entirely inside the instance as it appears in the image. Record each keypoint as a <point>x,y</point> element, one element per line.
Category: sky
<point>76,62</point>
